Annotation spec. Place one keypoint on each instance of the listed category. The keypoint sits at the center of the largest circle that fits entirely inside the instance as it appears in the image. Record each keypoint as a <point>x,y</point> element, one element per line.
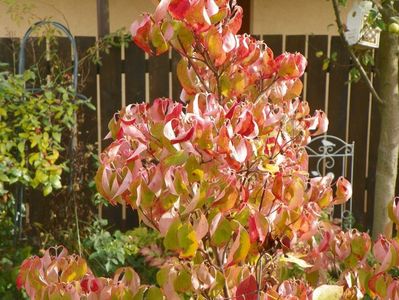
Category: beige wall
<point>268,16</point>
<point>293,17</point>
<point>79,15</point>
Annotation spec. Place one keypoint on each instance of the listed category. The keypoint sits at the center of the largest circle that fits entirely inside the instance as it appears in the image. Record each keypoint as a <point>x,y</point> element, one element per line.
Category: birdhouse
<point>358,31</point>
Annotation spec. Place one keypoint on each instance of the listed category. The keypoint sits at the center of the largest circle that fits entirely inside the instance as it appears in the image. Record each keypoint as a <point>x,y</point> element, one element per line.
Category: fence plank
<point>159,76</point>
<point>110,95</point>
<point>135,69</point>
<point>176,87</point>
<point>88,87</point>
<point>110,88</point>
<point>358,133</point>
<point>295,43</point>
<point>8,53</point>
<point>316,80</point>
<point>275,42</point>
<point>338,89</point>
<point>63,52</point>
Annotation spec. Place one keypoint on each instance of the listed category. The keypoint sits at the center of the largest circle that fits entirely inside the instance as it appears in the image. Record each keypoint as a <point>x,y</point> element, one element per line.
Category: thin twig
<point>352,54</point>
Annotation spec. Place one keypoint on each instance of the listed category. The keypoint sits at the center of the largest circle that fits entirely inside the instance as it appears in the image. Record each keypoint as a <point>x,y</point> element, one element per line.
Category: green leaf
<point>222,234</point>
<point>57,136</point>
<point>176,159</point>
<point>170,242</point>
<point>47,190</point>
<point>182,282</point>
<point>187,240</point>
<point>163,276</point>
<point>154,293</point>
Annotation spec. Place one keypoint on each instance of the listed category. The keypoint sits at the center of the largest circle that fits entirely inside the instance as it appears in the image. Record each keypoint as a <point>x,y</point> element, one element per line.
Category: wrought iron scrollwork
<point>325,153</point>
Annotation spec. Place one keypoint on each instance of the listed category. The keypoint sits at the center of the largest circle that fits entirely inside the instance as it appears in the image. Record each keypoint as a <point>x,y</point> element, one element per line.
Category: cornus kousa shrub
<point>222,174</point>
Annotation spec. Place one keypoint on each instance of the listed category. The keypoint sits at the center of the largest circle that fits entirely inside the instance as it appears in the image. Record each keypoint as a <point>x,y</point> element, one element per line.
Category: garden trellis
<point>73,140</point>
<point>330,154</point>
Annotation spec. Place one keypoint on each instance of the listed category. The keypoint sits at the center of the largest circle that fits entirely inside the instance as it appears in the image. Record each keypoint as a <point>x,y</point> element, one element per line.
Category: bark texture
<point>387,162</point>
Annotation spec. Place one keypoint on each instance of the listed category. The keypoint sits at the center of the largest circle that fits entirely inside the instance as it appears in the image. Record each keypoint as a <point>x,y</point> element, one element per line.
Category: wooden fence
<point>126,76</point>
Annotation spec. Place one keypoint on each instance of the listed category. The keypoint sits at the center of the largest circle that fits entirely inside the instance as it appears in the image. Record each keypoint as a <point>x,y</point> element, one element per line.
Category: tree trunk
<point>387,162</point>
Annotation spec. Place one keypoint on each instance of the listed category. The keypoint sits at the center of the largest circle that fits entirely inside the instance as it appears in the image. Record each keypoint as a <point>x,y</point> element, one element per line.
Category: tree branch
<point>363,72</point>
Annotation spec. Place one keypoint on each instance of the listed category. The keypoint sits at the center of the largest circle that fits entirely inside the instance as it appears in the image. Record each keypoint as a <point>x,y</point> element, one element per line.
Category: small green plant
<point>31,128</point>
<point>139,248</point>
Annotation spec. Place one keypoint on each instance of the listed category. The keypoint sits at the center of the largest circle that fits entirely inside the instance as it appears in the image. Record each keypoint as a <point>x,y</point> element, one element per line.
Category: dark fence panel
<point>135,70</point>
<point>359,111</point>
<point>316,77</point>
<point>352,116</point>
<point>159,67</point>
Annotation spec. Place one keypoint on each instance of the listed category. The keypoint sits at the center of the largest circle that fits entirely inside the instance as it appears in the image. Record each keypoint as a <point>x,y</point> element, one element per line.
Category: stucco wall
<point>79,15</point>
<point>293,17</point>
<point>268,16</point>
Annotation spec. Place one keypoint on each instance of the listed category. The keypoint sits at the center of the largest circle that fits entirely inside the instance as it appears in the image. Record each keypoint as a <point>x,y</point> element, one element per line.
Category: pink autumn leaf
<point>247,126</point>
<point>141,33</point>
<point>344,191</point>
<point>291,65</point>
<point>318,124</point>
<point>161,10</point>
<point>234,25</point>
<point>156,182</point>
<point>229,42</point>
<point>211,7</point>
<point>201,227</point>
<point>239,152</point>
<point>184,136</point>
<point>165,221</point>
<point>385,253</point>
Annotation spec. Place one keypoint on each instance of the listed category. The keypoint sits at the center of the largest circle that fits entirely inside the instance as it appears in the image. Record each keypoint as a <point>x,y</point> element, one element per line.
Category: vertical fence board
<point>295,43</point>
<point>88,87</point>
<point>110,95</point>
<point>63,52</point>
<point>338,98</point>
<point>135,69</point>
<point>8,53</point>
<point>176,88</point>
<point>374,141</point>
<point>110,88</point>
<point>358,133</point>
<point>159,76</point>
<point>338,89</point>
<point>135,65</point>
<point>316,83</point>
<point>275,42</point>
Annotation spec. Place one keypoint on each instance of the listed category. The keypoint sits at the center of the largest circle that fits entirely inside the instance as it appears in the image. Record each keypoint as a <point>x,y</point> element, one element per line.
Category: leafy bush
<point>31,127</point>
<point>222,175</point>
<point>139,248</point>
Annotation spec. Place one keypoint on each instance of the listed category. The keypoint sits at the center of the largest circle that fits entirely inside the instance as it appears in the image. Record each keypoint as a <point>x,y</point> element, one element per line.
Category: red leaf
<point>236,21</point>
<point>247,289</point>
<point>179,8</point>
<point>184,137</point>
<point>141,33</point>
